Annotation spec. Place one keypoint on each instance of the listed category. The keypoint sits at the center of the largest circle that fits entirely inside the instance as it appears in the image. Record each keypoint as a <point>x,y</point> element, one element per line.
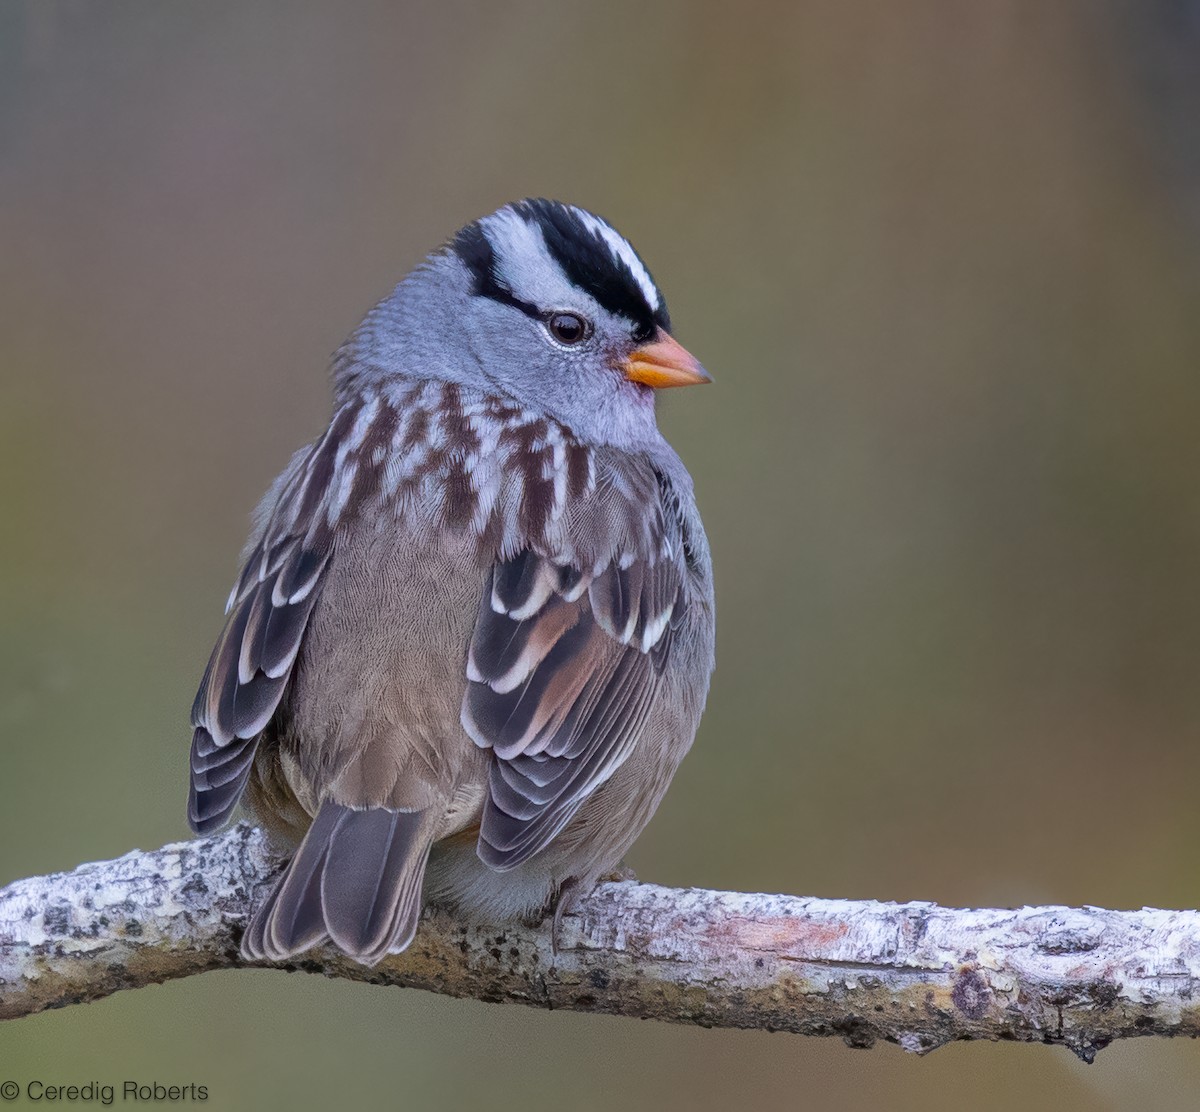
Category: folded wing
<point>266,620</point>
<point>564,665</point>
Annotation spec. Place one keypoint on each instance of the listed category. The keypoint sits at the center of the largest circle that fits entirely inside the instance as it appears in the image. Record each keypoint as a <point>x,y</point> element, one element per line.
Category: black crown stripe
<point>585,258</point>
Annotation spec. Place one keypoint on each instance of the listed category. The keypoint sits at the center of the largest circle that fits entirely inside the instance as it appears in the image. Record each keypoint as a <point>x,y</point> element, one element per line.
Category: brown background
<point>941,259</point>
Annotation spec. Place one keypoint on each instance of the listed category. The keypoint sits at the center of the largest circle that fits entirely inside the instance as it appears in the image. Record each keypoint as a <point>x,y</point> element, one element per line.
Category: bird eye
<point>568,328</point>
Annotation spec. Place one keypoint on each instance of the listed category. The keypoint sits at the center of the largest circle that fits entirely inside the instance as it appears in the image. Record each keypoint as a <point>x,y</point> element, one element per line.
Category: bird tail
<point>356,880</point>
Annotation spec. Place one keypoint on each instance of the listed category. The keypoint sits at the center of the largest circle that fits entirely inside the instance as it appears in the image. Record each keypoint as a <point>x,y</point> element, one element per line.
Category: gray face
<point>540,301</point>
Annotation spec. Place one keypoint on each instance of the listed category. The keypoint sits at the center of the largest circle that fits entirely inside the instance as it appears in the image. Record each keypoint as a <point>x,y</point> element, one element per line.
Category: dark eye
<point>568,328</point>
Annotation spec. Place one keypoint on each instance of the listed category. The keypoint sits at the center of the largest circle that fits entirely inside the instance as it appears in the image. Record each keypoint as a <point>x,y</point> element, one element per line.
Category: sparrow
<point>473,632</point>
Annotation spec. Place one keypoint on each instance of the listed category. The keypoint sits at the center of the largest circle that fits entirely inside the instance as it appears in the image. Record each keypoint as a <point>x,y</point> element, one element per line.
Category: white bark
<point>915,974</point>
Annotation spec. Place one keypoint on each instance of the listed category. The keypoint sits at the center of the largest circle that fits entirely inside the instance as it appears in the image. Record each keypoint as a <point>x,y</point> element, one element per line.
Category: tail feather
<point>291,920</point>
<point>356,879</point>
<point>371,888</point>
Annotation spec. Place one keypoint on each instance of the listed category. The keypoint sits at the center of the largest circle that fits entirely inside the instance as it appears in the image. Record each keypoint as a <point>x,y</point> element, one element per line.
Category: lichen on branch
<point>914,974</point>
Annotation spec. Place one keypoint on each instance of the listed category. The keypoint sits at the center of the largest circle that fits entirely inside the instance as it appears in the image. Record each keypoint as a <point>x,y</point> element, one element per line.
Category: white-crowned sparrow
<point>473,633</point>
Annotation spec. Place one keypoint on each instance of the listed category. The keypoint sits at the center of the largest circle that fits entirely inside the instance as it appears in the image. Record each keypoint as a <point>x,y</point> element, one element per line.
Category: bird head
<point>541,301</point>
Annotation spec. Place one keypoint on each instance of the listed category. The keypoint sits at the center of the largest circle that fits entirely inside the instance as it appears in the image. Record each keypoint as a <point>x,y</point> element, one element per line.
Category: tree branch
<point>914,974</point>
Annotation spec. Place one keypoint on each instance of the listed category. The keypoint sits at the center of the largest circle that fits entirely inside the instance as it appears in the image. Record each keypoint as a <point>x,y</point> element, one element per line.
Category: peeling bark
<point>914,974</point>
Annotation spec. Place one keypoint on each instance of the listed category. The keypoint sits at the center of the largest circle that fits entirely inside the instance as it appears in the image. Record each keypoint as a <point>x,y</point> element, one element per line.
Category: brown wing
<point>267,617</point>
<point>564,666</point>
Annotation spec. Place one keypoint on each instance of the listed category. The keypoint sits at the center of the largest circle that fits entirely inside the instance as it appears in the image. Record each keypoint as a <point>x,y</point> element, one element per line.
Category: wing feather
<point>564,665</point>
<point>252,662</point>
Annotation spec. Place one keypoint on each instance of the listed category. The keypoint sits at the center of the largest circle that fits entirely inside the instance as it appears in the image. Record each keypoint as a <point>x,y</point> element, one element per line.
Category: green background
<point>941,260</point>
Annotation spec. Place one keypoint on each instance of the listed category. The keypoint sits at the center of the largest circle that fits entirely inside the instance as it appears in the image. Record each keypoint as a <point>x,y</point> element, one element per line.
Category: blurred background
<point>942,260</point>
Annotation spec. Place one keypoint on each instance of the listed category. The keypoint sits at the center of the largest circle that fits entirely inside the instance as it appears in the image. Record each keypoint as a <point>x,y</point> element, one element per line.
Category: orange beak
<point>664,362</point>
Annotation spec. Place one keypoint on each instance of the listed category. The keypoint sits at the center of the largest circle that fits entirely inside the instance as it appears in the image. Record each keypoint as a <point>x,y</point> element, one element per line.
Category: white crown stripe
<point>624,252</point>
